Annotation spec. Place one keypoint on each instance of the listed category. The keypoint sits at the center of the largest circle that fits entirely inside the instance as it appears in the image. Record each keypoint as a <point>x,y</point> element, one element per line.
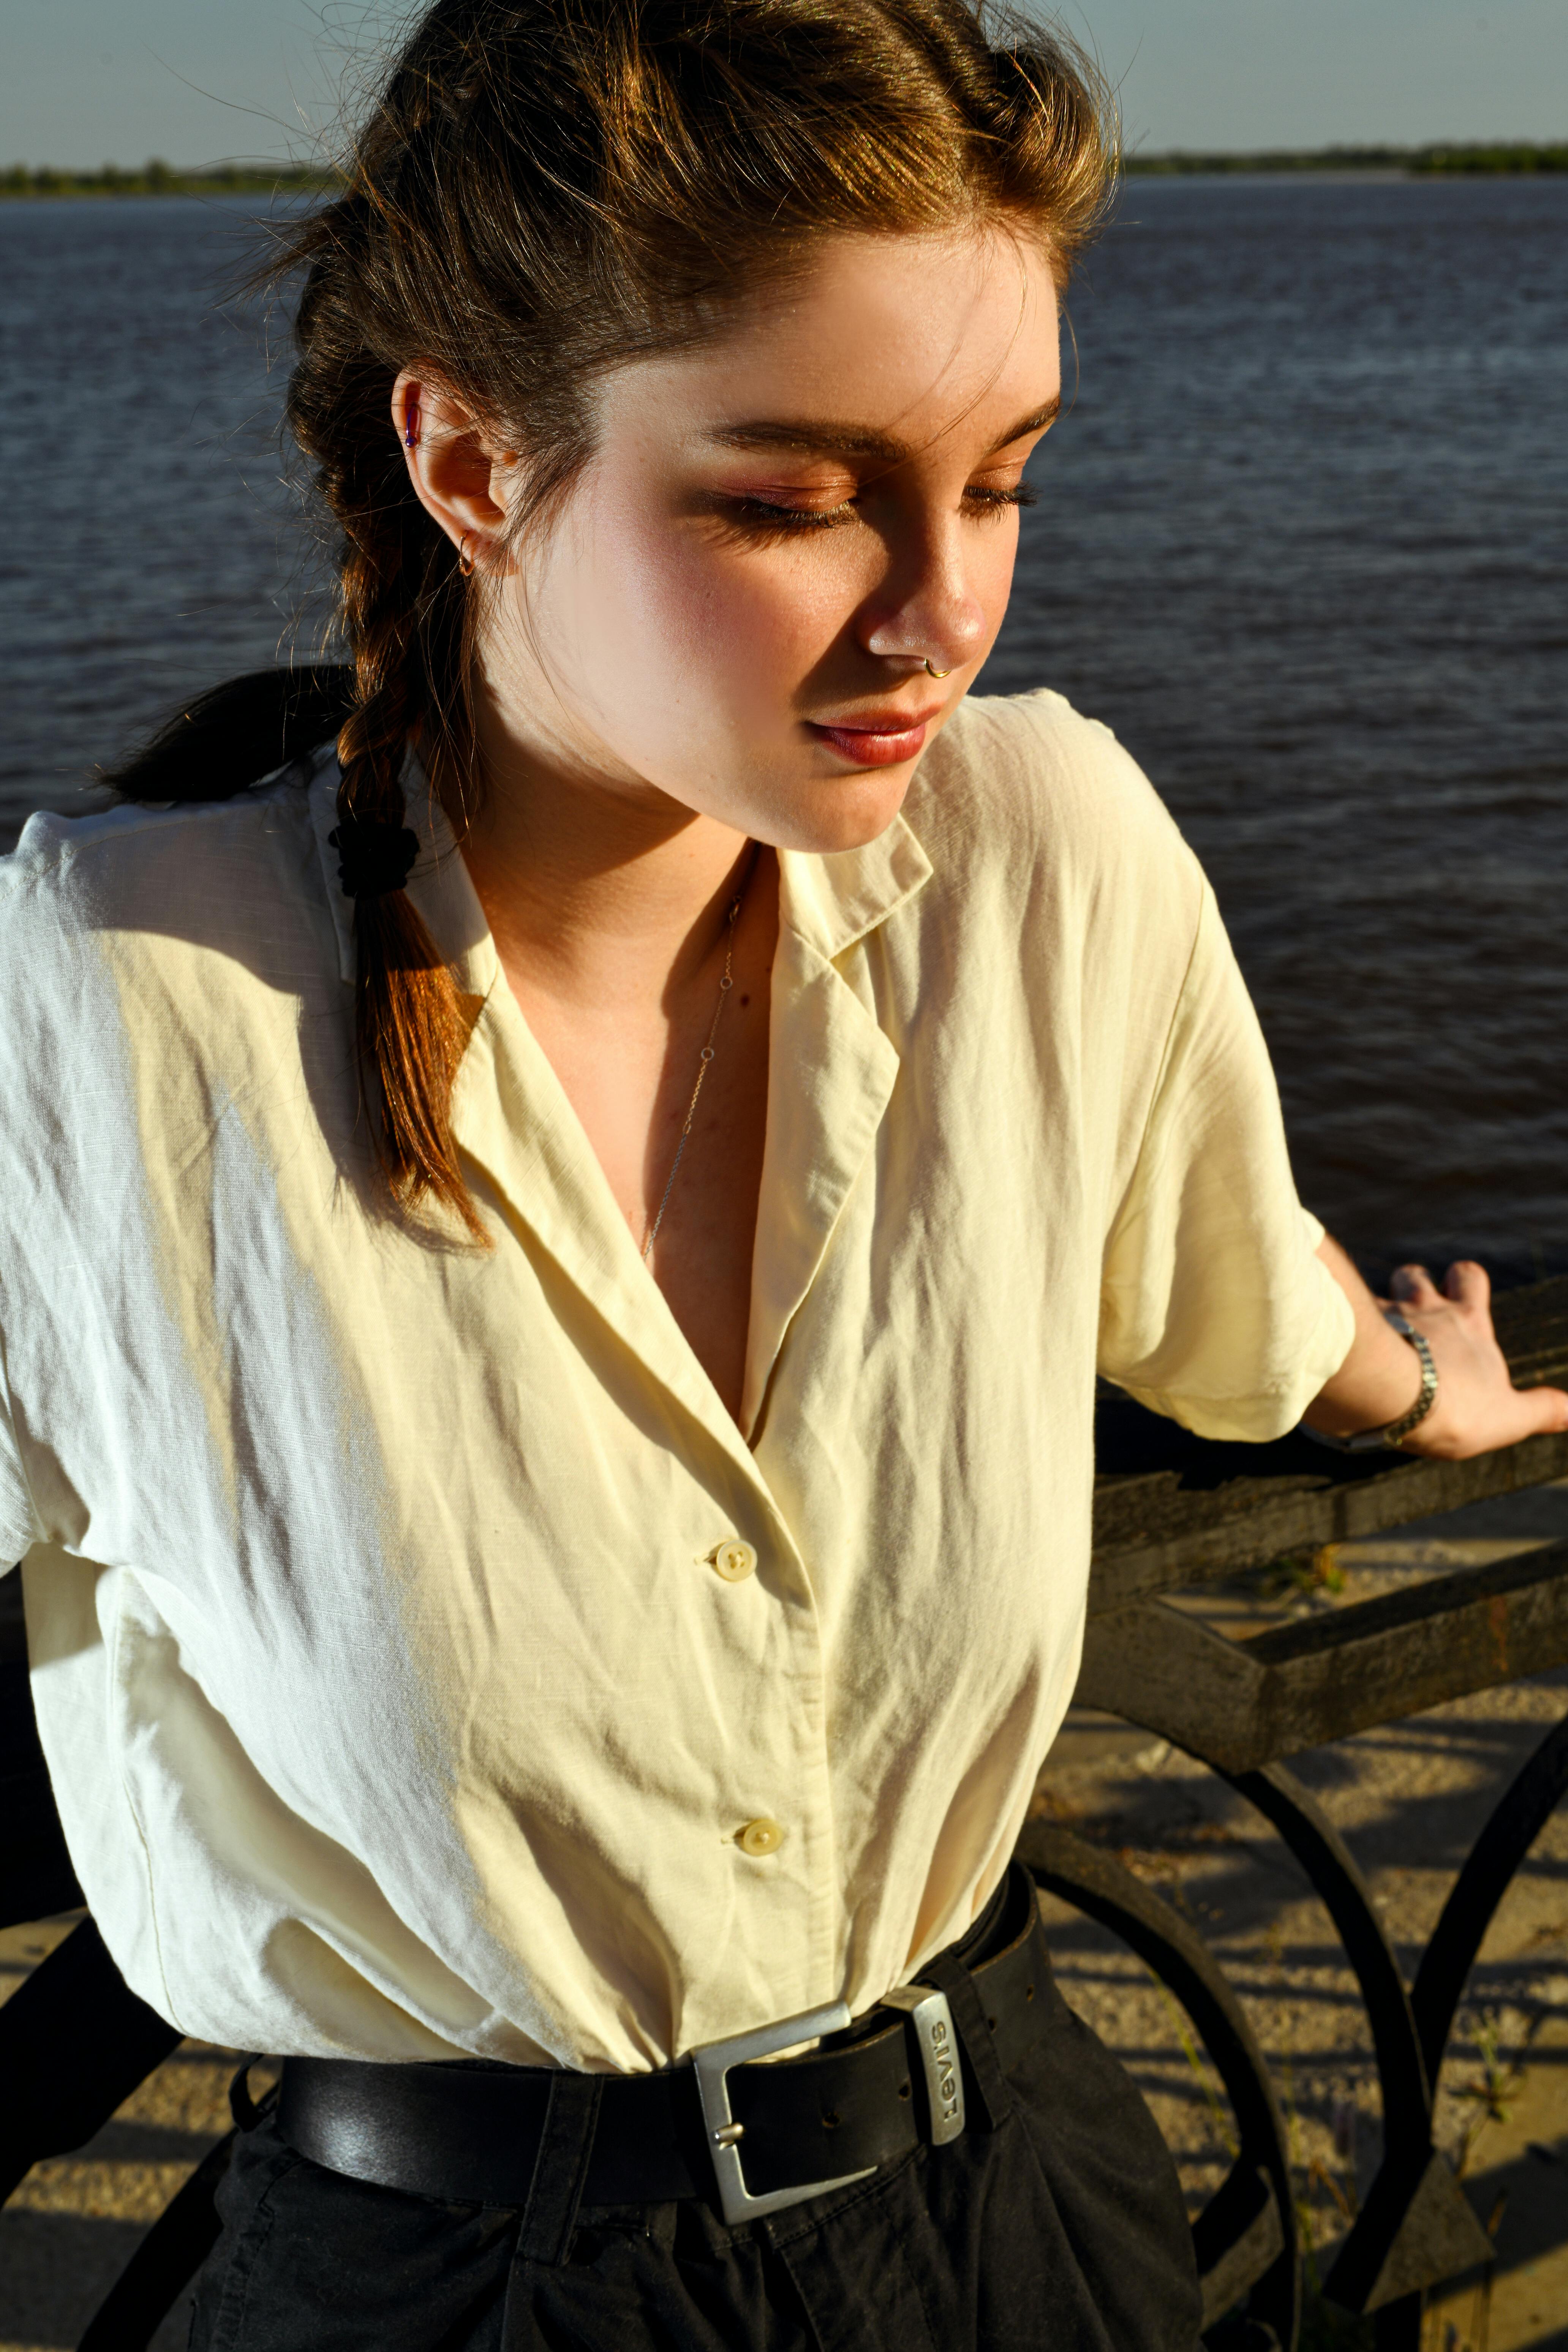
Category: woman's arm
<point>1477,1406</point>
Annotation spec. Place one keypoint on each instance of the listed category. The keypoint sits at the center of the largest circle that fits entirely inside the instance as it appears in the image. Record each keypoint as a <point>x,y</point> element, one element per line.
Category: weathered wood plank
<point>1242,1703</point>
<point>1178,1535</point>
<point>1531,1324</point>
<point>1173,1510</point>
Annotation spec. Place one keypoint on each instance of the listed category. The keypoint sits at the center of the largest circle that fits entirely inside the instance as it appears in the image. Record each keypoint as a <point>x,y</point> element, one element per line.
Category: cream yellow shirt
<point>395,1700</point>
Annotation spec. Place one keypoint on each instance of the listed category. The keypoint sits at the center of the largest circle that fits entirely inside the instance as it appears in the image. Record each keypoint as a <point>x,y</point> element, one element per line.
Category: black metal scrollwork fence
<point>1170,1512</point>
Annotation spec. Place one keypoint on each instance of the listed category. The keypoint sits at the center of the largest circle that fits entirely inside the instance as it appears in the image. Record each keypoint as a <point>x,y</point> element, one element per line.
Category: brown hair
<point>542,192</point>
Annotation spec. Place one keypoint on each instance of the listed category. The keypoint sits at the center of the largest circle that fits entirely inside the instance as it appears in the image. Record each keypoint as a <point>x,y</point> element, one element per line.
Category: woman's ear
<point>459,476</point>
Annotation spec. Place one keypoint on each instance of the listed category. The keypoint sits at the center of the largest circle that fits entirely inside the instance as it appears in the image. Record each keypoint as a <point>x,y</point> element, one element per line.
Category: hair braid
<point>407,1021</point>
<point>400,608</point>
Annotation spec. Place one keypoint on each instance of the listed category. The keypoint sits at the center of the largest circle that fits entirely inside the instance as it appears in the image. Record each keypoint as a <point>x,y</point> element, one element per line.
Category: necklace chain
<point>725,985</point>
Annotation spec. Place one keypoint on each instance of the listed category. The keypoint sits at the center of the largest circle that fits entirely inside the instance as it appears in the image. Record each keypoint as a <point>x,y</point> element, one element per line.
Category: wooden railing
<point>1170,1512</point>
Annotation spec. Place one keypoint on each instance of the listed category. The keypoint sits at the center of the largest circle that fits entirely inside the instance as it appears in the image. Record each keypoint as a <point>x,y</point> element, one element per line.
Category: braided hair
<point>402,616</point>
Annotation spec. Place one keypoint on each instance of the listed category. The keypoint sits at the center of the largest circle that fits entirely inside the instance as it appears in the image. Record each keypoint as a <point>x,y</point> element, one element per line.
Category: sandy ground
<point>1409,1798</point>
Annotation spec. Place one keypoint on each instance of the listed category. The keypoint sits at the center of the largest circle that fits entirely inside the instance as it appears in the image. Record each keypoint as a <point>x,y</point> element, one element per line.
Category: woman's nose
<point>926,610</point>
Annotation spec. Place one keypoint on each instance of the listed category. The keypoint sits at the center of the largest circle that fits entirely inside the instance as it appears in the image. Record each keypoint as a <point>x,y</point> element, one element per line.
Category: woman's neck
<point>596,891</point>
<point>609,907</point>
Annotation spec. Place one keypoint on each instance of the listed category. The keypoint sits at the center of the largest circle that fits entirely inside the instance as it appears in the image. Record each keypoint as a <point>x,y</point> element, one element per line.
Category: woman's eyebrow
<point>812,436</point>
<point>1035,422</point>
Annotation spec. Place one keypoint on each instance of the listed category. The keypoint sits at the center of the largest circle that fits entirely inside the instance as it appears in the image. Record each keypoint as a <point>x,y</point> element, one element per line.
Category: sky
<point>91,81</point>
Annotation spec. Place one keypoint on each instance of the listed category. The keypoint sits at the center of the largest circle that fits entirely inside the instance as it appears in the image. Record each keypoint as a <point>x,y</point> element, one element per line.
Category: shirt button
<point>734,1562</point>
<point>760,1837</point>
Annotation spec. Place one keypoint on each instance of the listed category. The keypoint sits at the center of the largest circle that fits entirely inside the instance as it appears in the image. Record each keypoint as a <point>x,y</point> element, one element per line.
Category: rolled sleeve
<point>1216,1309</point>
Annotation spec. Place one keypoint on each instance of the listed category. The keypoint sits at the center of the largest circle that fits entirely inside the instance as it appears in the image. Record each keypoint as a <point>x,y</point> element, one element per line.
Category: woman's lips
<point>880,740</point>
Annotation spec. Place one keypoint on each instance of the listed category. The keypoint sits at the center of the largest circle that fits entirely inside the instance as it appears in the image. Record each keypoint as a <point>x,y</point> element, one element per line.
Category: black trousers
<point>1061,2230</point>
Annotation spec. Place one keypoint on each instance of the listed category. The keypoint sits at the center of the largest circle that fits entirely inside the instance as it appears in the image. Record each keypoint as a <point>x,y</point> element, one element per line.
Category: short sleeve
<point>1216,1309</point>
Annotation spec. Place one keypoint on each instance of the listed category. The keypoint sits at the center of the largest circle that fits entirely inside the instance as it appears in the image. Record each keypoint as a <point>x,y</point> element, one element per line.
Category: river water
<point>1303,541</point>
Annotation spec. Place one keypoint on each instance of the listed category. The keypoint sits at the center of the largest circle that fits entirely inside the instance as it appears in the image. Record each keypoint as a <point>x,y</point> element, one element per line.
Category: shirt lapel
<point>831,1074</point>
<point>511,1115</point>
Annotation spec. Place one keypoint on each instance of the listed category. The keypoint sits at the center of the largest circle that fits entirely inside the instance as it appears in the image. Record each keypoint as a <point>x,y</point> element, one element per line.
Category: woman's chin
<point>837,813</point>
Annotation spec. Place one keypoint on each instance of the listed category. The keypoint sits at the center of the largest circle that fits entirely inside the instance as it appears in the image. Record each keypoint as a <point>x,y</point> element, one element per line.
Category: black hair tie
<point>374,856</point>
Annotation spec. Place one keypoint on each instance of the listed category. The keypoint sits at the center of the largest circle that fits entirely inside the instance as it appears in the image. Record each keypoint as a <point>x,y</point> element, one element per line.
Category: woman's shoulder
<point>136,864</point>
<point>233,886</point>
<point>1026,778</point>
<point>140,842</point>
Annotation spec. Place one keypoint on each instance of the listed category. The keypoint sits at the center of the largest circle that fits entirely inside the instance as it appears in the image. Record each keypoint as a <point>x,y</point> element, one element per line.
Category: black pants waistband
<point>481,2133</point>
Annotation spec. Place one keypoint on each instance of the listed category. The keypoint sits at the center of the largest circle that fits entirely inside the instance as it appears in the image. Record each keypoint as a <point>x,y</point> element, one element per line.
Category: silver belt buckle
<point>929,2013</point>
<point>712,2063</point>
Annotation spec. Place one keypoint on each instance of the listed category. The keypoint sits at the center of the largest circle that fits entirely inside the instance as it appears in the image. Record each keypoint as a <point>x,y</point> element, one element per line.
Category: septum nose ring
<point>937,673</point>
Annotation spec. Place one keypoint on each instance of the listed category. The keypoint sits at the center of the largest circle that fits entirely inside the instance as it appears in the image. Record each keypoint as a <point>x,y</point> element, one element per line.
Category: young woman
<point>558,1247</point>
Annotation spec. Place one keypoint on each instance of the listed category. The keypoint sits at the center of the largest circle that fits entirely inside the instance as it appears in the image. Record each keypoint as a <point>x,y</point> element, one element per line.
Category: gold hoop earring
<point>938,673</point>
<point>465,560</point>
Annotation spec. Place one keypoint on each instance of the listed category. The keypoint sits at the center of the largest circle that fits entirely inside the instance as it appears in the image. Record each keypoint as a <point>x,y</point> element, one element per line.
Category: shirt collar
<point>832,900</point>
<point>829,900</point>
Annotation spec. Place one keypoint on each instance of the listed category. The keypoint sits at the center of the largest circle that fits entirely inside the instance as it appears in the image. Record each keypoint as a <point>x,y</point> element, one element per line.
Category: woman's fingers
<point>1413,1286</point>
<point>1468,1284</point>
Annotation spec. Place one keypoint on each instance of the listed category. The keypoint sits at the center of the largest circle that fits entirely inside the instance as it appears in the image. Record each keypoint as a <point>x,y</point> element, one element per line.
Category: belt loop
<point>248,2111</point>
<point>561,2168</point>
<point>986,2088</point>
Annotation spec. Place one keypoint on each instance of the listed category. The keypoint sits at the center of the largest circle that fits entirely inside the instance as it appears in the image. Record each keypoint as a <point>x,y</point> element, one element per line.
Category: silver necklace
<point>725,985</point>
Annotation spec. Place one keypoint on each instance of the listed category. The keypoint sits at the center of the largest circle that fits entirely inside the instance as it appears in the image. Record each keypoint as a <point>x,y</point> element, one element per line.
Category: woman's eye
<point>763,519</point>
<point>984,497</point>
<point>760,515</point>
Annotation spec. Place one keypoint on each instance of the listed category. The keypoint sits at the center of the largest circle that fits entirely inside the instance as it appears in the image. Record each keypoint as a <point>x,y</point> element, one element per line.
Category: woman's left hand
<point>1477,1407</point>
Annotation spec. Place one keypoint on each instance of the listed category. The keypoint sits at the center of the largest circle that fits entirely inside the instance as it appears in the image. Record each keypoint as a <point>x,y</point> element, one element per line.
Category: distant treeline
<point>157,178</point>
<point>1497,156</point>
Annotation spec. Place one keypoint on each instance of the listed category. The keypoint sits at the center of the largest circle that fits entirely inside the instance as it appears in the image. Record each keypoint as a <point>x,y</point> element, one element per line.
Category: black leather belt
<point>750,2137</point>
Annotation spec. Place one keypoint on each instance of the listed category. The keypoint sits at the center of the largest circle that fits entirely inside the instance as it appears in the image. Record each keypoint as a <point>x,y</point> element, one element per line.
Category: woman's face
<point>736,603</point>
